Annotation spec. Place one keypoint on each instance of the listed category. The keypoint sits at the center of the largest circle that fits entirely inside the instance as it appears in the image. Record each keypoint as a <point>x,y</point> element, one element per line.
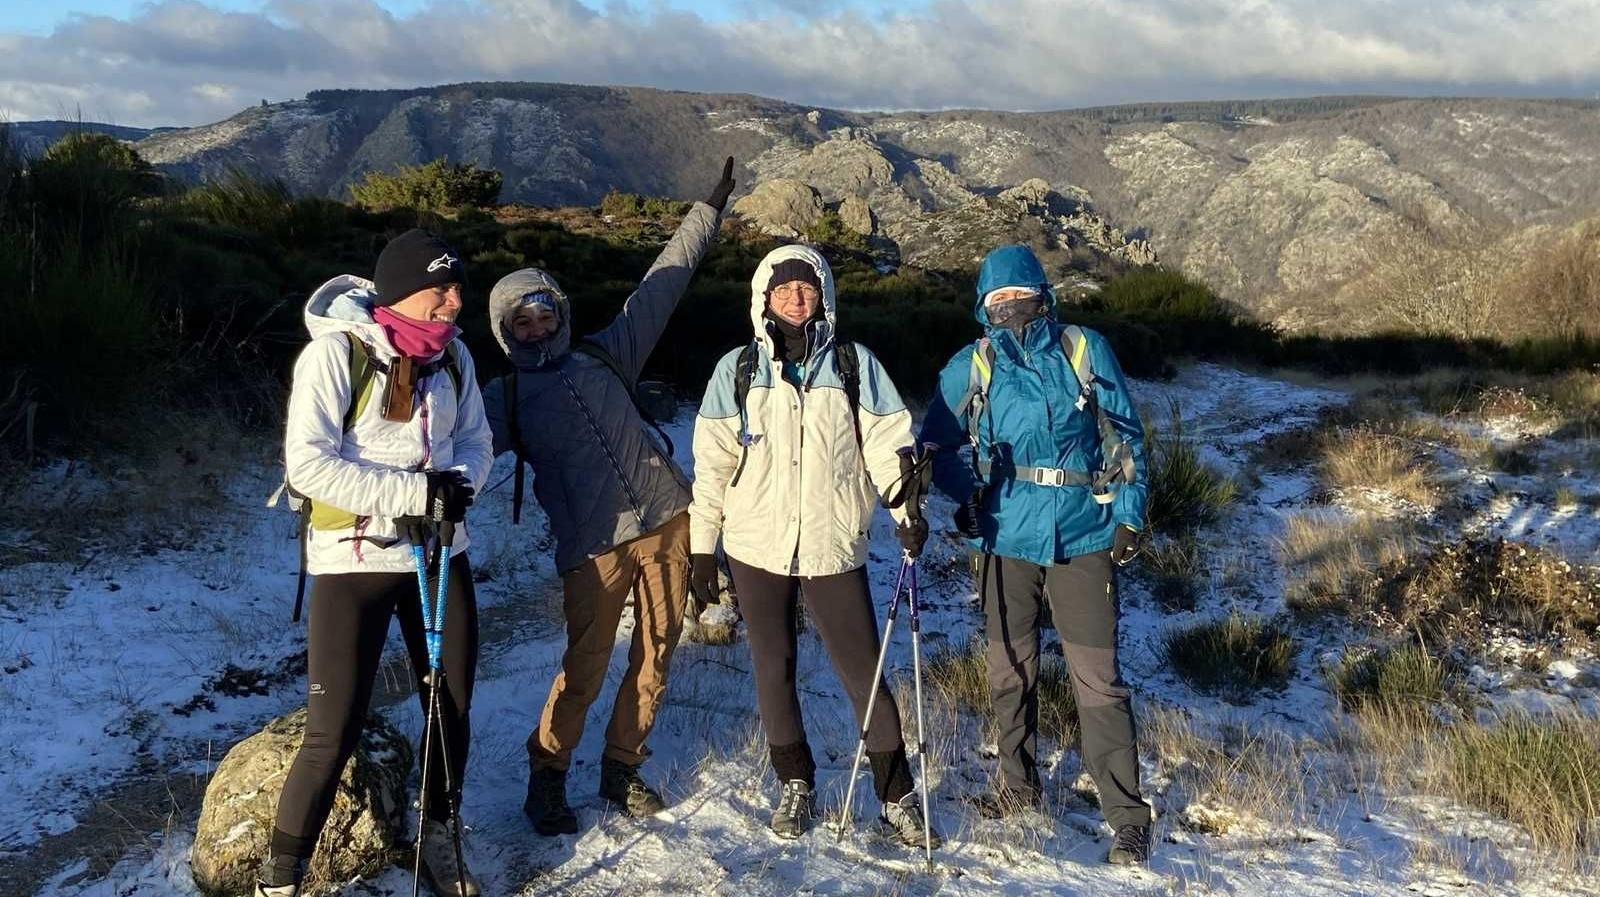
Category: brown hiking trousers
<point>655,569</point>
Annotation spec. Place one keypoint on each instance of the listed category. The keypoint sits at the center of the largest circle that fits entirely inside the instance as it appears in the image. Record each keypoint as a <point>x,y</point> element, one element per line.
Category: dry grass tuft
<point>1361,459</point>
<point>1176,572</point>
<point>1329,563</point>
<point>1401,676</point>
<point>961,677</point>
<point>1235,657</point>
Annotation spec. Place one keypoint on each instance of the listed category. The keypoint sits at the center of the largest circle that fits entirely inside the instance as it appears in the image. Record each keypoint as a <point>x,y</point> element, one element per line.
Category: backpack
<point>598,352</point>
<point>845,362</point>
<point>1115,453</point>
<point>363,367</point>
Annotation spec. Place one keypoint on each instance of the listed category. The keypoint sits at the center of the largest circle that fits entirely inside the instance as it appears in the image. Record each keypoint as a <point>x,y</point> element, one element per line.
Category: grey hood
<point>511,294</point>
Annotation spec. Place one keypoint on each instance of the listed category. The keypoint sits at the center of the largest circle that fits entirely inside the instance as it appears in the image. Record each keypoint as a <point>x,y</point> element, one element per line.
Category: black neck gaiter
<point>790,339</point>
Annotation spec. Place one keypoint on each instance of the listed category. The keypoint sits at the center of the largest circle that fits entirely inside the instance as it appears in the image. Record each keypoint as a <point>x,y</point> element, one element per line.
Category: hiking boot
<point>795,810</point>
<point>280,877</point>
<point>1130,847</point>
<point>902,821</point>
<point>1006,802</point>
<point>547,806</point>
<point>621,785</point>
<point>443,868</point>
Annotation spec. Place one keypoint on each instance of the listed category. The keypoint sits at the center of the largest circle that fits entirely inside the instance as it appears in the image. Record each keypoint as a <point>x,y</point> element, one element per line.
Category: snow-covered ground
<point>115,673</point>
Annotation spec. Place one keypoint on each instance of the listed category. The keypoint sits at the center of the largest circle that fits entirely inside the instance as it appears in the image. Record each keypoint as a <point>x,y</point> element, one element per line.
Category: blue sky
<point>186,62</point>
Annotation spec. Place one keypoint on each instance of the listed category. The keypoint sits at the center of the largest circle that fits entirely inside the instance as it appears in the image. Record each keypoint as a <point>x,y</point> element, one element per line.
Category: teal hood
<point>1012,266</point>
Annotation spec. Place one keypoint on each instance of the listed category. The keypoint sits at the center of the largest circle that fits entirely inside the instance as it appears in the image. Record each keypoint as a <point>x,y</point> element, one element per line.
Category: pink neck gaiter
<point>421,340</point>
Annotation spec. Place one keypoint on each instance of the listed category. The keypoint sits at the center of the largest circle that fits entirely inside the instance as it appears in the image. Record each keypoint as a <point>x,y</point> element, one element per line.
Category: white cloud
<point>182,56</point>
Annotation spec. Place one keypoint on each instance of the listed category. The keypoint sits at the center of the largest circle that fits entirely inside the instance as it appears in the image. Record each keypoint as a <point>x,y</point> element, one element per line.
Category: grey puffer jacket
<point>598,471</point>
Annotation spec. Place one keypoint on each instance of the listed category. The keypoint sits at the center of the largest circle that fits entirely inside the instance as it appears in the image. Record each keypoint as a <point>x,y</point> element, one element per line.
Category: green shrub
<point>618,204</point>
<point>1233,657</point>
<point>830,230</point>
<point>1184,493</point>
<point>1176,571</point>
<point>1389,677</point>
<point>435,186</point>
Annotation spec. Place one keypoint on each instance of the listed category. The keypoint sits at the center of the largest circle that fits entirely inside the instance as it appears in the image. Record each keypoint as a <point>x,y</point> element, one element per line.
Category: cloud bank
<point>184,62</point>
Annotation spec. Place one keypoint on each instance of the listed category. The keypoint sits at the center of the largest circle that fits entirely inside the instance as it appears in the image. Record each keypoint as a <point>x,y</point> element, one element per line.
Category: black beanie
<point>790,270</point>
<point>413,261</point>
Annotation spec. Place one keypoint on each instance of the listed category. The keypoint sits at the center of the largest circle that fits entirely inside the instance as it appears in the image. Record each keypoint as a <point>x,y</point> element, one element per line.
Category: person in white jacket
<point>798,437</point>
<point>385,425</point>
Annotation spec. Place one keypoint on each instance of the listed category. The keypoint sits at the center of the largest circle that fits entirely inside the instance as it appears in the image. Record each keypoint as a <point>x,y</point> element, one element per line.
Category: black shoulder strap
<point>508,392</point>
<point>849,366</point>
<point>744,375</point>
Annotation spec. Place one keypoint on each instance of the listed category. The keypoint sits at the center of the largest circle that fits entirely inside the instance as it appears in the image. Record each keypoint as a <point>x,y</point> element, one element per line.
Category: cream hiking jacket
<point>783,485</point>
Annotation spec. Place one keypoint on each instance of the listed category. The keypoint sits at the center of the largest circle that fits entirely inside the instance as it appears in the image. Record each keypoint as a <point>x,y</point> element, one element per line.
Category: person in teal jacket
<point>1053,496</point>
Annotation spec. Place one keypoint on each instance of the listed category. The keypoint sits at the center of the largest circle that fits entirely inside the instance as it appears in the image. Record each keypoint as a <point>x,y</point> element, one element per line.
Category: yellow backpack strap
<point>362,374</point>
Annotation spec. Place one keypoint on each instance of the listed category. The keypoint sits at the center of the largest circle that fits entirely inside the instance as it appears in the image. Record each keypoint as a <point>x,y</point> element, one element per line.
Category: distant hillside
<point>34,137</point>
<point>1264,199</point>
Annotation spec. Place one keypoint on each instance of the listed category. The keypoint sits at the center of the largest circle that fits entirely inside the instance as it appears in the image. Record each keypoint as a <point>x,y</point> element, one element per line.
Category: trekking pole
<point>872,698</point>
<point>433,633</point>
<point>922,741</point>
<point>912,489</point>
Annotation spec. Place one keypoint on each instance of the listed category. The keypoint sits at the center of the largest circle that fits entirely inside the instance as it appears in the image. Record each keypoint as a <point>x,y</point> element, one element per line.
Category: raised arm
<point>633,334</point>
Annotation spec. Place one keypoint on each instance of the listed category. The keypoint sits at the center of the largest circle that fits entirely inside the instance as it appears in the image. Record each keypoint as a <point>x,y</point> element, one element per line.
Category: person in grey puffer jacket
<point>617,505</point>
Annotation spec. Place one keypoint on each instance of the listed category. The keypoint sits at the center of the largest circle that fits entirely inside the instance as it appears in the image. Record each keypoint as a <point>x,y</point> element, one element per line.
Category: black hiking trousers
<point>1083,601</point>
<point>350,614</point>
<point>840,607</point>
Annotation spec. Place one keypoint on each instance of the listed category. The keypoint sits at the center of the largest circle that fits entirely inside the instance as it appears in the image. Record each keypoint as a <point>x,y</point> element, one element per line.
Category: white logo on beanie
<point>444,261</point>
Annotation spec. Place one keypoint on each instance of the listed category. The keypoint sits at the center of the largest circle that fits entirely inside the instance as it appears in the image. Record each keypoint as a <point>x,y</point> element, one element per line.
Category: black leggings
<point>841,609</point>
<point>349,624</point>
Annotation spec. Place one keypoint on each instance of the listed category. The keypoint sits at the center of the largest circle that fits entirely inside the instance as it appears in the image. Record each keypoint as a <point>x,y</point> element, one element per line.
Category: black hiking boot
<point>546,805</point>
<point>795,810</point>
<point>902,821</point>
<point>1006,802</point>
<point>1130,847</point>
<point>620,784</point>
<point>280,877</point>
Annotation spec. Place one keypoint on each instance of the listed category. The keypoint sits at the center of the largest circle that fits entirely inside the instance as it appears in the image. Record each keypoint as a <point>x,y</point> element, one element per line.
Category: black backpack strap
<point>509,392</point>
<point>744,375</point>
<point>848,363</point>
<point>300,583</point>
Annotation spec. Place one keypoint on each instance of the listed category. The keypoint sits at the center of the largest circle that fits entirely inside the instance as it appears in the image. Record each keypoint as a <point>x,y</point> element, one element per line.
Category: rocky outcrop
<point>857,215</point>
<point>369,814</point>
<point>782,208</point>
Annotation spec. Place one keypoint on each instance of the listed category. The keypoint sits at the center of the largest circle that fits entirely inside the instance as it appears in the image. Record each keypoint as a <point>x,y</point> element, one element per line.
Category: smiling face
<point>532,323</point>
<point>795,302</point>
<point>437,303</point>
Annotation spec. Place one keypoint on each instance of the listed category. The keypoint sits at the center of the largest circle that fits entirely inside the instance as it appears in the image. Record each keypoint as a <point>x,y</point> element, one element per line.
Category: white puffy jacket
<point>804,493</point>
<point>376,469</point>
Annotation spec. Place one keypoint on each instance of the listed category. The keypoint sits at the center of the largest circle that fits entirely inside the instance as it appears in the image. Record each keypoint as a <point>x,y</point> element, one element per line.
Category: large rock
<point>857,215</point>
<point>370,811</point>
<point>784,207</point>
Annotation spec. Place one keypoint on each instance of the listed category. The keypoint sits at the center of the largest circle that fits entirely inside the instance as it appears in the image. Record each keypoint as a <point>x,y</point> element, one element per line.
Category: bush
<point>618,204</point>
<point>1184,493</point>
<point>1233,657</point>
<point>1461,592</point>
<point>1365,458</point>
<point>1390,677</point>
<point>436,186</point>
<point>830,230</point>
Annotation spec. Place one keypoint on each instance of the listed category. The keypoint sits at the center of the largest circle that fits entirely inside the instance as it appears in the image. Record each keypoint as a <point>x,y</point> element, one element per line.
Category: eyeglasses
<point>808,293</point>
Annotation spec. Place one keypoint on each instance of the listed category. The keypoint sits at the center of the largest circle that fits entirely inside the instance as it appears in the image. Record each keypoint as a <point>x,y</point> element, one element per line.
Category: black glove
<point>703,583</point>
<point>449,495</point>
<point>1124,545</point>
<point>913,534</point>
<point>967,515</point>
<point>724,188</point>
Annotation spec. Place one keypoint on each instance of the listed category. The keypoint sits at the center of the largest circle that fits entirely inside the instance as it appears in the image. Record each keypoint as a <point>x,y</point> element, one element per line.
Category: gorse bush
<point>1234,657</point>
<point>433,186</point>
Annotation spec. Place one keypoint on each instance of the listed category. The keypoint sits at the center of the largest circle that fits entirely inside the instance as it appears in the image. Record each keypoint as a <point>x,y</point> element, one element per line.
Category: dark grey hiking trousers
<point>1083,601</point>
